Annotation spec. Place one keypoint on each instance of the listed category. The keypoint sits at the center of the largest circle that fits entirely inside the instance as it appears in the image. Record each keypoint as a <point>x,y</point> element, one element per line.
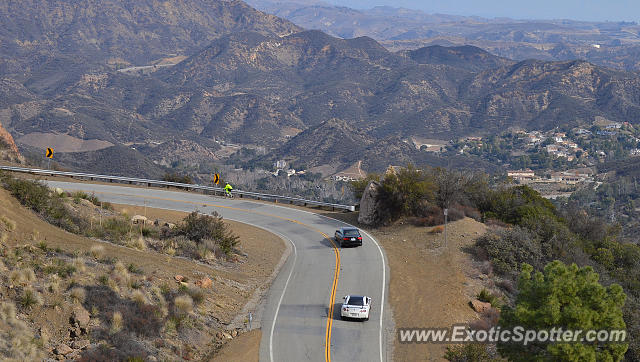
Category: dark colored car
<point>348,236</point>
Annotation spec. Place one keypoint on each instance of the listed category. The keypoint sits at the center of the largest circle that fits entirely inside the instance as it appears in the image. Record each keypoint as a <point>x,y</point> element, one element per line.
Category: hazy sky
<point>594,10</point>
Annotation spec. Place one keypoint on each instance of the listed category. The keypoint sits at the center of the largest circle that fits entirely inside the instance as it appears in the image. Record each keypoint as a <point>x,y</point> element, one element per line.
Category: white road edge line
<point>275,317</point>
<point>384,282</point>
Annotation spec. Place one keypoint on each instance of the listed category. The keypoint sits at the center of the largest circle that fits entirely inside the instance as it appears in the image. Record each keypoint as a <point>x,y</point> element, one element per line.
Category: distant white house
<point>597,46</point>
<point>521,175</point>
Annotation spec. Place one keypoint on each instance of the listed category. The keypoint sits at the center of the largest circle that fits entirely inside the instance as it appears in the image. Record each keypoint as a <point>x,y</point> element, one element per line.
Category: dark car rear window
<point>351,232</point>
<point>356,301</point>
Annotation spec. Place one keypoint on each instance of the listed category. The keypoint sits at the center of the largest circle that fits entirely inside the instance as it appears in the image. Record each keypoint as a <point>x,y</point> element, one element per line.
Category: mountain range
<point>252,80</point>
<point>610,44</point>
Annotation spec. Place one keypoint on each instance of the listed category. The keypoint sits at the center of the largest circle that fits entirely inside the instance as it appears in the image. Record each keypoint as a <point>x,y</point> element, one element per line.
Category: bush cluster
<point>207,230</point>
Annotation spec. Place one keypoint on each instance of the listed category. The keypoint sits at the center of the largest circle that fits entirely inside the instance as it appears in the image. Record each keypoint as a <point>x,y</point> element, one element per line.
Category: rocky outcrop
<point>369,204</point>
<point>7,139</point>
<point>479,306</point>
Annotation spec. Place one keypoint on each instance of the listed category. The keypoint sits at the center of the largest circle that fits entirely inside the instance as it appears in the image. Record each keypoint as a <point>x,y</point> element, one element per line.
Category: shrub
<point>144,320</point>
<point>79,264</point>
<point>472,352</point>
<point>8,223</point>
<point>158,296</point>
<point>488,297</point>
<point>116,322</point>
<point>103,279</point>
<point>198,227</point>
<point>573,298</point>
<point>78,295</point>
<point>183,305</point>
<point>29,298</point>
<point>174,177</point>
<point>22,276</point>
<point>18,342</point>
<point>138,297</point>
<point>509,248</point>
<point>139,243</point>
<point>78,195</point>
<point>134,269</point>
<point>61,268</point>
<point>43,246</point>
<point>197,295</point>
<point>54,283</point>
<point>97,251</point>
<point>120,274</point>
<point>507,285</point>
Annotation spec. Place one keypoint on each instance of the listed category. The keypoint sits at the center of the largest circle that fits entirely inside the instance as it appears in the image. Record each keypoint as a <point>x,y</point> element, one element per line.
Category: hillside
<point>254,84</point>
<point>404,29</point>
<point>75,297</point>
<point>121,32</point>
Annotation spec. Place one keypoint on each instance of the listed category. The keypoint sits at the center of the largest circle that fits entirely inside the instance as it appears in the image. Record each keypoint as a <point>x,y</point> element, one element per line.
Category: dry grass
<point>30,298</point>
<point>8,223</point>
<point>79,264</point>
<point>18,342</point>
<point>139,297</point>
<point>97,251</point>
<point>22,276</point>
<point>78,294</point>
<point>113,285</point>
<point>139,243</point>
<point>170,251</point>
<point>183,305</point>
<point>437,229</point>
<point>54,283</point>
<point>121,274</point>
<point>116,322</point>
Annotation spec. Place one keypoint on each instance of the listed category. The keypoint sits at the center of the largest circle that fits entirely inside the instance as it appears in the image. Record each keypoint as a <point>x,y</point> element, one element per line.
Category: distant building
<point>533,139</point>
<point>582,131</point>
<point>606,133</point>
<point>552,148</point>
<point>280,164</point>
<point>615,125</point>
<point>521,175</point>
<point>572,176</point>
<point>597,46</point>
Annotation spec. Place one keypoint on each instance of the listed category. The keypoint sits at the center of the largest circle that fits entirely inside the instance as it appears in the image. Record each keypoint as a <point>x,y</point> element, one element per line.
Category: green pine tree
<point>569,297</point>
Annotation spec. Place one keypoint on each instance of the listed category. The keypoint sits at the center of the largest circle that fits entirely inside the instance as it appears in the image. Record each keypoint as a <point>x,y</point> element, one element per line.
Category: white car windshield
<point>359,301</point>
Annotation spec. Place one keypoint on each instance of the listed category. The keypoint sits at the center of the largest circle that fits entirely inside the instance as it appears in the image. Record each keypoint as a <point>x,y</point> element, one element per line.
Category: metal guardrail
<point>132,180</point>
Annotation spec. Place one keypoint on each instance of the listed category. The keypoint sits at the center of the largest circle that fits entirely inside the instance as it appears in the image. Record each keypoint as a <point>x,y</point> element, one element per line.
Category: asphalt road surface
<point>301,318</point>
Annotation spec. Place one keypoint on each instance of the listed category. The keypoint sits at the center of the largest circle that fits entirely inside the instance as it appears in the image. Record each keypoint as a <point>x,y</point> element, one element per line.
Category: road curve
<point>296,321</point>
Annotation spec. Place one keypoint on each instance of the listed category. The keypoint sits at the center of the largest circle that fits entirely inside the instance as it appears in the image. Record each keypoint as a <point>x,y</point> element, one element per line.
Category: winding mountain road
<point>301,318</point>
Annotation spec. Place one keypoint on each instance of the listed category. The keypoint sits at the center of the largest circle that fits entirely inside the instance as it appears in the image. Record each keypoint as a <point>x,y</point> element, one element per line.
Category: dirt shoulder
<point>245,348</point>
<point>430,285</point>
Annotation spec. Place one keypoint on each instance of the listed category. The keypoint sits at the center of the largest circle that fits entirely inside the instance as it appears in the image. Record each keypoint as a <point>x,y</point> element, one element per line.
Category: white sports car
<point>355,306</point>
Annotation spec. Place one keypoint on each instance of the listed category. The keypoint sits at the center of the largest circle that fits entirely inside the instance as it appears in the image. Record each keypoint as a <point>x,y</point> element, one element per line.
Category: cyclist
<point>227,190</point>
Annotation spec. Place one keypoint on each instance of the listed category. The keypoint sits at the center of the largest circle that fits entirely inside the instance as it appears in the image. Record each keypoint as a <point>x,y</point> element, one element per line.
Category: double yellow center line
<point>336,273</point>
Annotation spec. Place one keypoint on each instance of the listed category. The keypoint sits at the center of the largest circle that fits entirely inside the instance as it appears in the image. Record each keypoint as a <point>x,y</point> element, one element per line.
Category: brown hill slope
<point>133,31</point>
